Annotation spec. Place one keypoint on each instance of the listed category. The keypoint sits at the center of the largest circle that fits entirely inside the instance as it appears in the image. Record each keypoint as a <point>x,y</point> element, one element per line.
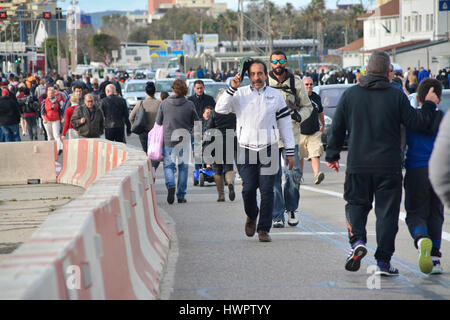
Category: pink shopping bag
<point>155,143</point>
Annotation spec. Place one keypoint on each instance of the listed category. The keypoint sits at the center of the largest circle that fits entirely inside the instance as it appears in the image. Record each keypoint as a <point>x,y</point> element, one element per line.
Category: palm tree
<point>314,12</point>
<point>229,22</point>
<point>288,12</point>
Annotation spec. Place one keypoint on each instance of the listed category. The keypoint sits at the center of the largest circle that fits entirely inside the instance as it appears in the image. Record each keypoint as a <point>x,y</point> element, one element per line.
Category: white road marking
<point>445,235</point>
<point>304,233</point>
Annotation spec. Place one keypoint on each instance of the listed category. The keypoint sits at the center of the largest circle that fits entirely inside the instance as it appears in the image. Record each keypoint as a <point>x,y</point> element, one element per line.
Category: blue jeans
<point>289,200</point>
<point>169,164</point>
<point>11,133</point>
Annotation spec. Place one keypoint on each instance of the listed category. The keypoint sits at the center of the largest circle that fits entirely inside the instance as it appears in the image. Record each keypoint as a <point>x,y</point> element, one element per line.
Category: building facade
<point>414,32</point>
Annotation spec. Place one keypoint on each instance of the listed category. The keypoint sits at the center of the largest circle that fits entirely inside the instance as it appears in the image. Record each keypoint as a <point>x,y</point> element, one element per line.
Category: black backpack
<point>28,105</point>
<point>291,89</point>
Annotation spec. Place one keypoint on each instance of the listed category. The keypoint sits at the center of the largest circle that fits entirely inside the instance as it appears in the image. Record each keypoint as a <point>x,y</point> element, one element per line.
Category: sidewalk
<point>24,207</point>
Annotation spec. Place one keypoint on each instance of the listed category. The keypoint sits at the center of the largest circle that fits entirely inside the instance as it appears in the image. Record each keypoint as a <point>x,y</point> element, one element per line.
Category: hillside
<point>97,16</point>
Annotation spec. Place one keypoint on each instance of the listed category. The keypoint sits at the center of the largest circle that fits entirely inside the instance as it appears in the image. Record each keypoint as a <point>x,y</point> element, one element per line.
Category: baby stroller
<point>205,172</point>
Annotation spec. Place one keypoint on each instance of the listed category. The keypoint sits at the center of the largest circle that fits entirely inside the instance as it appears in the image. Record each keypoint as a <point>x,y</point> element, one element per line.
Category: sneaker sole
<point>425,262</point>
<point>354,263</point>
<point>439,271</point>
<point>292,224</point>
<point>386,274</point>
<point>278,226</point>
<point>320,178</point>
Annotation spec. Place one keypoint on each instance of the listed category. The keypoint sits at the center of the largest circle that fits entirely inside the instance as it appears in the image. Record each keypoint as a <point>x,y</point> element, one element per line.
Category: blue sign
<point>444,5</point>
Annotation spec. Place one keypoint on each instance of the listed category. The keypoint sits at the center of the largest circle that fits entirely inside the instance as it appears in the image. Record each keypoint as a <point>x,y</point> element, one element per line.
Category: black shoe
<point>60,152</point>
<point>385,269</point>
<point>231,193</point>
<point>171,195</point>
<point>182,200</point>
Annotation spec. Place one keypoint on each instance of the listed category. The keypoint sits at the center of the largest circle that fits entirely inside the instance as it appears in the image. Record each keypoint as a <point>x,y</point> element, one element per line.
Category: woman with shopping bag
<point>176,115</point>
<point>142,125</point>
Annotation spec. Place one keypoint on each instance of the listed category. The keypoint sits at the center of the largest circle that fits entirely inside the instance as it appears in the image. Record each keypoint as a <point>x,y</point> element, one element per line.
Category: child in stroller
<point>206,172</point>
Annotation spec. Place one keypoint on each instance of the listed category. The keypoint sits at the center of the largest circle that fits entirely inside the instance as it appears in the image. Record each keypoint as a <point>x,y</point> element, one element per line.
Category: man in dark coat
<point>372,112</point>
<point>116,115</point>
<point>9,117</point>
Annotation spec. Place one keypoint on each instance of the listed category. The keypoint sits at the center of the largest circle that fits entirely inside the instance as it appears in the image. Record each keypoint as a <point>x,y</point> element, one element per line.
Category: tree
<point>314,12</point>
<point>49,46</point>
<point>117,25</point>
<point>101,46</point>
<point>229,22</point>
<point>289,14</point>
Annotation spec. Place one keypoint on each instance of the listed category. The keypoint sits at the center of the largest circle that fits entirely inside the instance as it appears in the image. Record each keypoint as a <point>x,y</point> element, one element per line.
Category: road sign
<point>444,5</point>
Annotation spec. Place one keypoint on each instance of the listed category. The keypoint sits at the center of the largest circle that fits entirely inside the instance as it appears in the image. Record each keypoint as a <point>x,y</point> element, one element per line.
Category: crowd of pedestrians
<point>278,116</point>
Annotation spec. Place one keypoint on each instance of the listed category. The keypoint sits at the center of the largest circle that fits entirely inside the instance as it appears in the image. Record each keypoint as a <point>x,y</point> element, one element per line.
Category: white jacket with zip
<point>261,117</point>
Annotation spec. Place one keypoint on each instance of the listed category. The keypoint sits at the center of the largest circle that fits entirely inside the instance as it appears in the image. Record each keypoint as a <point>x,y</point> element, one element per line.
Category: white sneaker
<point>437,269</point>
<point>278,224</point>
<point>292,221</point>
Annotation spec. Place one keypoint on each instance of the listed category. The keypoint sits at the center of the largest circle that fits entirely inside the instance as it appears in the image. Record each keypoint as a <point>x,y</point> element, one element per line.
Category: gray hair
<point>379,63</point>
<point>110,88</point>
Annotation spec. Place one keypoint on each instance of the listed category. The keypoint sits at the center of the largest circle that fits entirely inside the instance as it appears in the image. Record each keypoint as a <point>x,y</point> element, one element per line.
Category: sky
<point>103,5</point>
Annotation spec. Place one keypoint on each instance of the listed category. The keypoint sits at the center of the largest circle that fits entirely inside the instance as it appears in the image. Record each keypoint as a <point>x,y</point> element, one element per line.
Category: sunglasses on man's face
<point>308,84</point>
<point>281,61</point>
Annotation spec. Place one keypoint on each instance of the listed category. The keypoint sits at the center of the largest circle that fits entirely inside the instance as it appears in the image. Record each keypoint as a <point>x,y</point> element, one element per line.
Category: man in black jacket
<point>115,111</point>
<point>372,112</point>
<point>9,117</point>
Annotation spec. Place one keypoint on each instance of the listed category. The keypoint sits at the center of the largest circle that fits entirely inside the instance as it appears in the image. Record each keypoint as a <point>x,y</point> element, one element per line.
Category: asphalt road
<point>212,258</point>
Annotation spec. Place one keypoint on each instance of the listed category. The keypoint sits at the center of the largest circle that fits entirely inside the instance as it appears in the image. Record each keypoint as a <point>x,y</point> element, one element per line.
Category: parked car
<point>163,84</point>
<point>245,81</point>
<point>134,91</point>
<point>444,105</point>
<point>330,96</point>
<point>177,75</point>
<point>211,88</point>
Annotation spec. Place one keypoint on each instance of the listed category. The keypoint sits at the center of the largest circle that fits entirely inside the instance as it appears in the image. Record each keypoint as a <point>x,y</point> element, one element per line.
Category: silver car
<point>444,105</point>
<point>330,95</point>
<point>163,84</point>
<point>211,88</point>
<point>245,81</point>
<point>133,92</point>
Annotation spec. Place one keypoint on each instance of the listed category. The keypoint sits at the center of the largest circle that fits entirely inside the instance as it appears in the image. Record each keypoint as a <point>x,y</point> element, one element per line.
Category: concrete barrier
<point>25,162</point>
<point>110,243</point>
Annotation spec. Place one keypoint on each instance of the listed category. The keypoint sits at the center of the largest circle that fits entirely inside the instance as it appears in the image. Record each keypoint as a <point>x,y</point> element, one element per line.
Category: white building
<point>351,54</point>
<point>140,19</point>
<point>134,55</point>
<point>414,32</point>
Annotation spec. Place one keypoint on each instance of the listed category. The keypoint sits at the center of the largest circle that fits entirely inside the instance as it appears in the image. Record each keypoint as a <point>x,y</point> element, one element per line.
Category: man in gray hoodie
<point>177,115</point>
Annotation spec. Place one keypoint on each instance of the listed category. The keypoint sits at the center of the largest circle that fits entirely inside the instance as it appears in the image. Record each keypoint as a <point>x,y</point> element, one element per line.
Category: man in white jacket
<point>262,115</point>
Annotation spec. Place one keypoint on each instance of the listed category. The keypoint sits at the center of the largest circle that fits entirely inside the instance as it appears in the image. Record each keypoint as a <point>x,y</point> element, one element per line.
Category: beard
<point>279,70</point>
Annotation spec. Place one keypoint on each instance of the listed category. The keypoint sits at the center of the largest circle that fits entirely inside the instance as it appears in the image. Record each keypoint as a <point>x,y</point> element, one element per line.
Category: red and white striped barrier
<point>110,243</point>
